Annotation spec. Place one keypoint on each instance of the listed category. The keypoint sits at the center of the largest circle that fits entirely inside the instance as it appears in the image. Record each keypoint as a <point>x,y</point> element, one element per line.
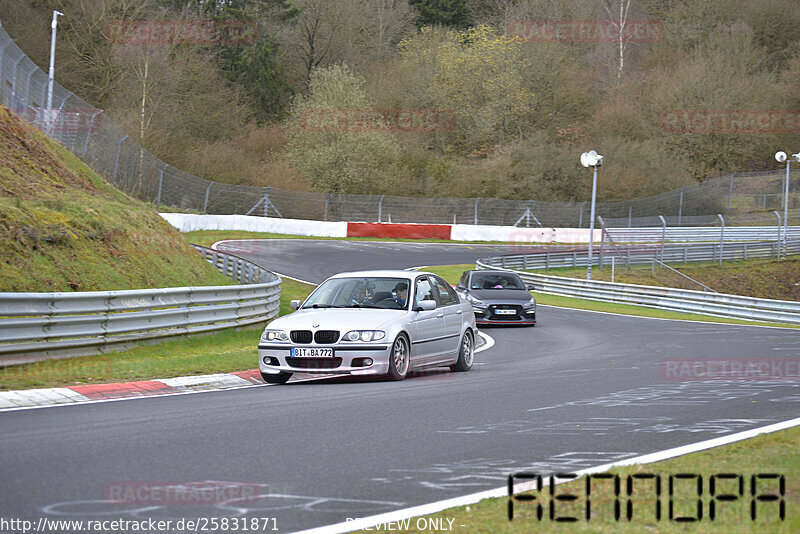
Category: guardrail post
<point>524,262</point>
<point>205,202</point>
<point>476,210</point>
<point>663,236</point>
<point>325,217</point>
<point>574,259</point>
<point>722,234</point>
<point>730,191</point>
<point>680,206</point>
<point>546,261</point>
<point>630,214</point>
<point>380,207</point>
<point>160,185</point>
<point>580,215</point>
<point>89,132</point>
<point>116,158</point>
<point>778,241</point>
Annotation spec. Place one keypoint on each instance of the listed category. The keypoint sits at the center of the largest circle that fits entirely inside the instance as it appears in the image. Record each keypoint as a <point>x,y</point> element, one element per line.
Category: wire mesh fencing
<point>95,138</point>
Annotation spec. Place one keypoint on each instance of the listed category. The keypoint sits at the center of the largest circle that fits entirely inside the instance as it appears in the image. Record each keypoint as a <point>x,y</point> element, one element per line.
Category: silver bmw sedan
<point>371,323</point>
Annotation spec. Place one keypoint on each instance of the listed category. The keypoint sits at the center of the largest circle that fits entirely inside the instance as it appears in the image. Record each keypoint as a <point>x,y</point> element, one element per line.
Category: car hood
<point>501,295</point>
<point>342,319</point>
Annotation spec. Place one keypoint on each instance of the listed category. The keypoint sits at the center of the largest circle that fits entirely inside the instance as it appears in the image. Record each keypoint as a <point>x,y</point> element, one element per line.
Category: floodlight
<point>780,157</point>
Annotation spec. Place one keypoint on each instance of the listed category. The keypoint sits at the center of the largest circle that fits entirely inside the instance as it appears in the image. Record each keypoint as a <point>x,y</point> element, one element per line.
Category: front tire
<point>399,358</point>
<point>276,378</point>
<point>466,354</point>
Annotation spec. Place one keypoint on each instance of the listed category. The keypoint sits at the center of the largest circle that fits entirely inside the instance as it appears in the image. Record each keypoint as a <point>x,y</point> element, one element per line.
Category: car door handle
<point>440,314</point>
<point>459,312</point>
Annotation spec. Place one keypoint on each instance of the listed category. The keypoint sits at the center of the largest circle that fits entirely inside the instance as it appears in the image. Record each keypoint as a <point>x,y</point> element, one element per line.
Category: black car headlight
<point>478,303</point>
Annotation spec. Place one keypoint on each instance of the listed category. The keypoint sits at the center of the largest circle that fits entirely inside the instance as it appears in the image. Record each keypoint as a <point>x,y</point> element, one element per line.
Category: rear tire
<point>399,358</point>
<point>276,378</point>
<point>466,354</point>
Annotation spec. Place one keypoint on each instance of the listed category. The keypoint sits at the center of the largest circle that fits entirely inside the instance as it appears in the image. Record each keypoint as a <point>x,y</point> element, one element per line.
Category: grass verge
<point>452,273</point>
<point>775,453</point>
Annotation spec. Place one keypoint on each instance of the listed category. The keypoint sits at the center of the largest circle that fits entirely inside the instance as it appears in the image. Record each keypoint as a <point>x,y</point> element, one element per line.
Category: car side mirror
<point>461,287</point>
<point>531,287</point>
<point>295,304</point>
<point>426,305</point>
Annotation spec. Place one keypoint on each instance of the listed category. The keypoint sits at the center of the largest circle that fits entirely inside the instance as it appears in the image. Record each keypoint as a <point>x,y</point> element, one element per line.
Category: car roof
<point>493,272</point>
<point>396,273</point>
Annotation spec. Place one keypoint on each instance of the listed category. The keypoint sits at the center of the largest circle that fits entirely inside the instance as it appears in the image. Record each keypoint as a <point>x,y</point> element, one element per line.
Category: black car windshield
<point>370,292</point>
<point>496,281</point>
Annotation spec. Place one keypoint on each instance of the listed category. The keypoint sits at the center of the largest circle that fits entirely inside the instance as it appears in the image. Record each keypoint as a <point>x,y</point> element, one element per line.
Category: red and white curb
<point>26,398</point>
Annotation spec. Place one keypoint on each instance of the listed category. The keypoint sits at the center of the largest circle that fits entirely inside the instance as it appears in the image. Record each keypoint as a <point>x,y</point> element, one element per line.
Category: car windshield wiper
<point>365,306</point>
<point>324,306</point>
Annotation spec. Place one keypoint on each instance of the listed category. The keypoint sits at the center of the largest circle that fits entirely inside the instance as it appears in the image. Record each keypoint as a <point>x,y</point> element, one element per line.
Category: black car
<point>498,297</point>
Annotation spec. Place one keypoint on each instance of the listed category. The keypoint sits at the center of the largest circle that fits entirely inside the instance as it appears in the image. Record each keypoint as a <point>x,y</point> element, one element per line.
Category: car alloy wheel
<point>399,358</point>
<point>466,354</point>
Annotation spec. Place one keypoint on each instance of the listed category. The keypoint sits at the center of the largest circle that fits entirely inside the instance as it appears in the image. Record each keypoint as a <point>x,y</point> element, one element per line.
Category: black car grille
<point>300,336</point>
<point>314,363</point>
<point>516,316</point>
<point>326,337</point>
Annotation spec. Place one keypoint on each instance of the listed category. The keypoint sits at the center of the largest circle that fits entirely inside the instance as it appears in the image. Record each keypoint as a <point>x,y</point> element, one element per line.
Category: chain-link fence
<point>95,138</point>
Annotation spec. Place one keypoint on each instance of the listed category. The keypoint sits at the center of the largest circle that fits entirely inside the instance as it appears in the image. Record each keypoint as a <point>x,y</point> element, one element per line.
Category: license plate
<point>312,353</point>
<point>505,312</point>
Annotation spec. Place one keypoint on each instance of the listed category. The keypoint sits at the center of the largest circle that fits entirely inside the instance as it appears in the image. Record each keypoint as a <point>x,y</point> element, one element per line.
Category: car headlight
<point>364,335</point>
<point>274,335</point>
<point>531,303</point>
<point>476,302</point>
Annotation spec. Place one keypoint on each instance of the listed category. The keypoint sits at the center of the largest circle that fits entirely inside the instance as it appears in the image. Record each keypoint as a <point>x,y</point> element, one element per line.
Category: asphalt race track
<point>579,389</point>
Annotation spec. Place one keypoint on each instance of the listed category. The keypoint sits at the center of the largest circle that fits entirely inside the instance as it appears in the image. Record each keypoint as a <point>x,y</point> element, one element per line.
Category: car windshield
<point>496,281</point>
<point>367,292</point>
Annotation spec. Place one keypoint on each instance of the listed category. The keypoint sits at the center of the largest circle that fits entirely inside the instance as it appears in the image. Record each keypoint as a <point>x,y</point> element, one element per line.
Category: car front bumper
<point>346,360</point>
<point>485,316</point>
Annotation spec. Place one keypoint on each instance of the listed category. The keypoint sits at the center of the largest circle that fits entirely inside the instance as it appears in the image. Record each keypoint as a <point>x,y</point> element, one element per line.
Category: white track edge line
<point>431,508</point>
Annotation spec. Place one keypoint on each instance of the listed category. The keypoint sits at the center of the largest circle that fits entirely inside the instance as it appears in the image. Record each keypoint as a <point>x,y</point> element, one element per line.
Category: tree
<point>335,157</point>
<point>442,12</point>
<point>476,74</point>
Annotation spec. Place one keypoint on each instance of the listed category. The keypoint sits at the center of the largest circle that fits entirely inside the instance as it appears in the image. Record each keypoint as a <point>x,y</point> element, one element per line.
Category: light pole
<point>780,157</point>
<point>51,72</point>
<point>594,160</point>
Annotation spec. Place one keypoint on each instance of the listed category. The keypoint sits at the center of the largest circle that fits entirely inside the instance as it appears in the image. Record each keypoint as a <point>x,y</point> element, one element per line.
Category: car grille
<point>326,337</point>
<point>314,363</point>
<point>516,316</point>
<point>300,336</point>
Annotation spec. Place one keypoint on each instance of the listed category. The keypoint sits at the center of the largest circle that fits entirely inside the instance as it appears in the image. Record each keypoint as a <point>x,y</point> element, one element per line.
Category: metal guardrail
<point>683,300</point>
<point>643,255</point>
<point>36,326</point>
<point>246,272</point>
<point>687,234</point>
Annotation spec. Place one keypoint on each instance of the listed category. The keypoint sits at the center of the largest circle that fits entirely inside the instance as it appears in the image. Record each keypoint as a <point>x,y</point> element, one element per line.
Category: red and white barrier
<point>187,222</point>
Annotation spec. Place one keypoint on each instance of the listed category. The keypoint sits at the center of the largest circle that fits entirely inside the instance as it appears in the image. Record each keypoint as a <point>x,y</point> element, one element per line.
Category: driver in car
<point>401,293</point>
